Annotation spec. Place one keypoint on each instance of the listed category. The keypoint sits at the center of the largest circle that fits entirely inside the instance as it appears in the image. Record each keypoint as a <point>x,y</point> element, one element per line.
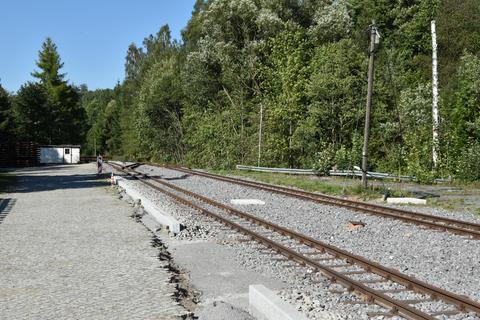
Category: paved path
<point>69,250</point>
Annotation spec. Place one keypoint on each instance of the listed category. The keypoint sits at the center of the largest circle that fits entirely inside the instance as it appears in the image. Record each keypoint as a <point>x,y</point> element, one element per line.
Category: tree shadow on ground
<point>35,183</point>
<point>36,168</point>
<point>6,206</point>
<point>182,177</point>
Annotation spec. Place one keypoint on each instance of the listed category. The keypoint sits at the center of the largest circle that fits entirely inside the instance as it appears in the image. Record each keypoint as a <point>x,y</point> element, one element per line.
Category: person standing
<point>99,164</point>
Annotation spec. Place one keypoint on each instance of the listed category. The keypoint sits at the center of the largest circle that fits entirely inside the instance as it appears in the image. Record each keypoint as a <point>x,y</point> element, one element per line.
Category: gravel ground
<point>464,214</point>
<point>449,261</point>
<point>459,215</point>
<point>312,298</point>
<point>329,225</point>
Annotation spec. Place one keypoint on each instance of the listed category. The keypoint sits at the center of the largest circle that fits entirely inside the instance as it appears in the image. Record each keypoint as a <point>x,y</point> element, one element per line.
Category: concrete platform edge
<point>264,304</point>
<point>407,200</point>
<point>160,215</point>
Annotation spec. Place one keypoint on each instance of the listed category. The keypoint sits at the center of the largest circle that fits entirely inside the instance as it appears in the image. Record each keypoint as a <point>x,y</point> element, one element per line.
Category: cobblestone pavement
<point>69,250</point>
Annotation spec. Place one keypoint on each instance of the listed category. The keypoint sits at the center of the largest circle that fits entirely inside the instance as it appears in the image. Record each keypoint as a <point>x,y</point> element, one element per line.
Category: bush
<point>324,160</point>
<point>469,164</point>
<point>343,159</point>
<point>419,163</point>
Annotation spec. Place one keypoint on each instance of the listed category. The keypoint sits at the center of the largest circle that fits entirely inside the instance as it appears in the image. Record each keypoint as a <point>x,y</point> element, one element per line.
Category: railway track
<point>458,227</point>
<point>400,294</point>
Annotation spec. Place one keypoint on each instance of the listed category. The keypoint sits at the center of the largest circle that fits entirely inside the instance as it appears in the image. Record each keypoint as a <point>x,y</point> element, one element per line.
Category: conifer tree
<point>33,117</point>
<point>6,123</point>
<point>66,114</point>
<point>50,64</point>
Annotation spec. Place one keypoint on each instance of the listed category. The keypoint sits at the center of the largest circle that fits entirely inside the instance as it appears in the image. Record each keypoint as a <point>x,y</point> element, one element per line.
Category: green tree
<point>33,116</point>
<point>6,117</point>
<point>193,31</point>
<point>458,31</point>
<point>462,110</point>
<point>158,113</point>
<point>332,118</point>
<point>112,127</point>
<point>133,62</point>
<point>50,64</point>
<point>285,98</point>
<point>94,103</point>
<point>67,117</point>
<point>221,83</point>
<point>416,118</point>
<point>331,22</point>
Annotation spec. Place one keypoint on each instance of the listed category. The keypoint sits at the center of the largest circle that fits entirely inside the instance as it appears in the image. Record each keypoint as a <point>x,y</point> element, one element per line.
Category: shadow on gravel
<point>34,183</point>
<point>6,206</point>
<point>182,177</point>
<point>185,176</point>
<point>37,168</point>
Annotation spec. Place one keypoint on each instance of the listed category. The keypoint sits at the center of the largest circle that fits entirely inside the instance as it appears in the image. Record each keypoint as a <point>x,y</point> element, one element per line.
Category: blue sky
<point>92,36</point>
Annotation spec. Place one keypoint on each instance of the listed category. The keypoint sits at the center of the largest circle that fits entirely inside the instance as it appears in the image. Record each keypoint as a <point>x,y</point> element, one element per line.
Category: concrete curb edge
<point>266,305</point>
<point>160,215</point>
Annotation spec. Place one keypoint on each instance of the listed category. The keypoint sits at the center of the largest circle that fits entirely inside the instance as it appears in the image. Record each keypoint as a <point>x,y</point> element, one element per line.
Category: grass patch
<point>304,183</point>
<point>312,184</point>
<point>7,181</point>
<point>447,204</point>
<point>464,184</point>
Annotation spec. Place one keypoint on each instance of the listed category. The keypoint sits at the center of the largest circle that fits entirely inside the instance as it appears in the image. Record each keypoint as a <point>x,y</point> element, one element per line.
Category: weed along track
<point>434,222</point>
<point>400,294</point>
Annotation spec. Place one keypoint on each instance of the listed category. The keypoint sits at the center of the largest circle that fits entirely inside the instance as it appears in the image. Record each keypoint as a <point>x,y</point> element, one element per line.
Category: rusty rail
<point>431,221</point>
<point>404,308</point>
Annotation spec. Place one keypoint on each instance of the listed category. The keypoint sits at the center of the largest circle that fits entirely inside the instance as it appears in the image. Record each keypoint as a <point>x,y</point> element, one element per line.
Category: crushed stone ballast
<point>339,266</point>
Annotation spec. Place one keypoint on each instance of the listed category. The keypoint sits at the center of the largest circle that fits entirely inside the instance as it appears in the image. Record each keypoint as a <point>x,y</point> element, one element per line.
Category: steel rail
<point>431,221</point>
<point>461,303</point>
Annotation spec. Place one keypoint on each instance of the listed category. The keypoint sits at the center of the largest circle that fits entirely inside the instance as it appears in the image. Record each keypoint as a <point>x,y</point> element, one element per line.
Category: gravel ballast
<point>448,261</point>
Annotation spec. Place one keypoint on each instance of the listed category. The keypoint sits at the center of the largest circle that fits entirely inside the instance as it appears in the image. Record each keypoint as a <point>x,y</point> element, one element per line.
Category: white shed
<point>59,154</point>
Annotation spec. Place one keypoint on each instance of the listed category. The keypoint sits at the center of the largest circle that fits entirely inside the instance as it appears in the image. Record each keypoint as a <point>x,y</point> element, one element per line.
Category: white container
<point>59,154</point>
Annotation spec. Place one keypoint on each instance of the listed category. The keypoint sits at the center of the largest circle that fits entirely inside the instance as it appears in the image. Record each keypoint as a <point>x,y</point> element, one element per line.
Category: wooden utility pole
<point>260,135</point>
<point>371,53</point>
<point>435,115</point>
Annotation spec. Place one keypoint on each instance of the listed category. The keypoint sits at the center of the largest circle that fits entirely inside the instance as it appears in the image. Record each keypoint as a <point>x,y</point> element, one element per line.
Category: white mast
<point>435,114</point>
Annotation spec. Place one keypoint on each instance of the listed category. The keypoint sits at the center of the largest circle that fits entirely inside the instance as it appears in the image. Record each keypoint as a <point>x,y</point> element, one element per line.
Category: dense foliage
<point>298,68</point>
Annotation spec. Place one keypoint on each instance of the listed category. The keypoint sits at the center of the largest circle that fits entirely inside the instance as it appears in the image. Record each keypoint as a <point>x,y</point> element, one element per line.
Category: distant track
<point>434,222</point>
<point>336,264</point>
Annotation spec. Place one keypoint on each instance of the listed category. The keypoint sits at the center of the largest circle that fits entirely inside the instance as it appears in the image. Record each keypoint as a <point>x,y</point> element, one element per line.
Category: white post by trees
<point>260,135</point>
<point>435,114</point>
